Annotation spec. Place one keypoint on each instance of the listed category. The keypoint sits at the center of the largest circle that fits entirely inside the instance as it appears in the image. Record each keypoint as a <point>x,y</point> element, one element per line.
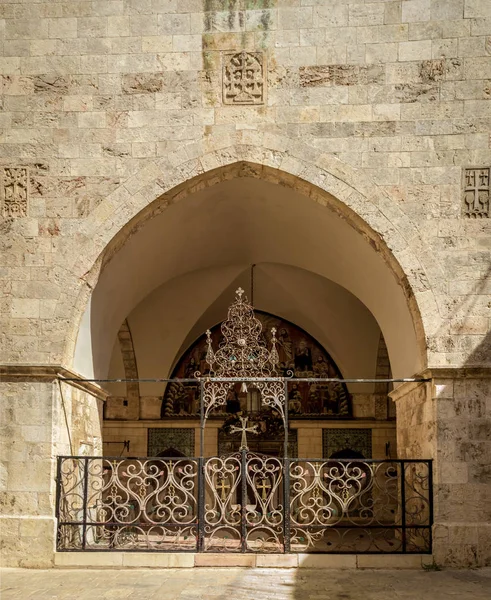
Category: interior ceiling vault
<point>176,276</point>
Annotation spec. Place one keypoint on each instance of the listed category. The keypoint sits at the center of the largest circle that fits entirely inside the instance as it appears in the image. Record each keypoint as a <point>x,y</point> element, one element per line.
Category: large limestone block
<point>27,542</point>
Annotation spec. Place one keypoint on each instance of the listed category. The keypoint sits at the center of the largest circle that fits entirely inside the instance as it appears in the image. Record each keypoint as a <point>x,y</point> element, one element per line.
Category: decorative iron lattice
<point>242,355</point>
<point>299,353</point>
<point>244,502</point>
<point>122,504</point>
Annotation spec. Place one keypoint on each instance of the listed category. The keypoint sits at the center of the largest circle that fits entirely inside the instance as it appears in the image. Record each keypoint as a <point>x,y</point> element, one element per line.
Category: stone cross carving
<point>243,78</point>
<point>244,430</point>
<point>13,191</point>
<point>476,193</point>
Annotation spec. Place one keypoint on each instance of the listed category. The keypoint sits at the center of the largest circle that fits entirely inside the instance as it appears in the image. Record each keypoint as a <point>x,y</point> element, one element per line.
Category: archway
<point>231,222</point>
<point>171,272</point>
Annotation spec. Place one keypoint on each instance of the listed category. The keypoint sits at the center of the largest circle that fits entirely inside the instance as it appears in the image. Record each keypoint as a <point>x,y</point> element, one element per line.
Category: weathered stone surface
<point>379,106</point>
<point>40,420</point>
<point>142,83</point>
<point>288,584</point>
<point>452,426</point>
<point>316,76</point>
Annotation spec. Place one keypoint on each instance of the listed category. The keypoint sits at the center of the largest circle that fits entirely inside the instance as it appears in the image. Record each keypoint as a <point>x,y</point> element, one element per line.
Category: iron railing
<point>244,502</point>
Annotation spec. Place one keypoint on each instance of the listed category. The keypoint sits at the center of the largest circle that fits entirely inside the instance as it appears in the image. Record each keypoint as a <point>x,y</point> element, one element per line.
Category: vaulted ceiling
<point>176,276</point>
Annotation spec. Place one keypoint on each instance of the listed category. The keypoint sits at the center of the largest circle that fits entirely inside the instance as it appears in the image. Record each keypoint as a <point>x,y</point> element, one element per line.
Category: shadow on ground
<point>243,584</point>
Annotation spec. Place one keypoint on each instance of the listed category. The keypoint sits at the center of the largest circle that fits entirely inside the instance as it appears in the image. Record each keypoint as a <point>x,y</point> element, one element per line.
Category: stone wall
<point>137,433</point>
<point>27,473</point>
<point>416,421</point>
<point>40,419</point>
<point>463,476</point>
<point>309,436</point>
<point>109,105</point>
<point>449,420</point>
<point>106,105</point>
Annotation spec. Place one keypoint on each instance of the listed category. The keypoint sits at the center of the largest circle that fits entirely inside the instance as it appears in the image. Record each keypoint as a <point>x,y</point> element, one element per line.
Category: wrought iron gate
<point>244,502</point>
<point>245,508</point>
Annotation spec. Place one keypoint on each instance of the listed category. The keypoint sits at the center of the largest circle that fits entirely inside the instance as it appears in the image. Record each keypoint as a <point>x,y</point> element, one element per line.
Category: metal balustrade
<point>244,502</point>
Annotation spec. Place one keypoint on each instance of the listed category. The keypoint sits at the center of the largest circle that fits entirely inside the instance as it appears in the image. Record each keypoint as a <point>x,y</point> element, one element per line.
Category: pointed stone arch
<point>276,159</point>
<point>130,368</point>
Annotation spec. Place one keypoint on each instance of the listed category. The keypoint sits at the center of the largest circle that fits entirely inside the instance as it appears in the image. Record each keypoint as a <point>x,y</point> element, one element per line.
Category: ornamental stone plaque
<point>475,200</point>
<point>14,191</point>
<point>244,78</point>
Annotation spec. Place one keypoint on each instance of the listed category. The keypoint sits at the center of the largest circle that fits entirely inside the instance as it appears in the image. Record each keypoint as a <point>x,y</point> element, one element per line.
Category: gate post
<point>286,477</point>
<point>85,499</point>
<point>201,505</point>
<point>243,499</point>
<point>286,505</point>
<point>403,497</point>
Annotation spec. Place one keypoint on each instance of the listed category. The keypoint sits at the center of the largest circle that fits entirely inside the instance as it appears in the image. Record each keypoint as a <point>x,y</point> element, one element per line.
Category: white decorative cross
<point>244,430</point>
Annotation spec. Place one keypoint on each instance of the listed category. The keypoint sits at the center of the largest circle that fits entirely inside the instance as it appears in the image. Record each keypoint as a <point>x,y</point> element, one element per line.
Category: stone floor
<point>243,584</point>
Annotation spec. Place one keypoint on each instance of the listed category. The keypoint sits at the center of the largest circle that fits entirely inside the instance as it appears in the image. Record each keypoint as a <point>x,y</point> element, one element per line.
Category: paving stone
<point>247,584</point>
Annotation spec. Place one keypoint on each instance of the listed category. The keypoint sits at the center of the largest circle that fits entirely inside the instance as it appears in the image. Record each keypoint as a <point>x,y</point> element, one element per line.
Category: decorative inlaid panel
<point>476,201</point>
<point>14,186</point>
<point>356,440</point>
<point>244,78</point>
<point>180,439</point>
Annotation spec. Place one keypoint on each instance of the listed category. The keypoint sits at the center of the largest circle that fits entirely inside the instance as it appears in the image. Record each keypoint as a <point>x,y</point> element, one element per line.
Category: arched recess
<point>299,355</point>
<point>198,300</point>
<point>365,217</point>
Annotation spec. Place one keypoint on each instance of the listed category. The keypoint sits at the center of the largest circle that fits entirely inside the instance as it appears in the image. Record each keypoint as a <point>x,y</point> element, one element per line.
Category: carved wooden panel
<point>244,78</point>
<point>475,200</point>
<point>14,187</point>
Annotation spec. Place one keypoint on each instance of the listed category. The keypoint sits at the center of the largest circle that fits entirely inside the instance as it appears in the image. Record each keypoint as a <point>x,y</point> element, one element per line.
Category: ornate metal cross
<point>265,485</point>
<point>244,430</point>
<point>223,487</point>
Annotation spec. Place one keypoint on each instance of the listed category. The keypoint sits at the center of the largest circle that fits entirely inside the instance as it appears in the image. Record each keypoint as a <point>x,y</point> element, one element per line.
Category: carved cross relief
<point>14,191</point>
<point>476,193</point>
<point>244,78</point>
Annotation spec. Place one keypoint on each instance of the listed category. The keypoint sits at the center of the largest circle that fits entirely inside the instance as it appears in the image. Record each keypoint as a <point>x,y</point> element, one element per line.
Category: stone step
<point>161,560</point>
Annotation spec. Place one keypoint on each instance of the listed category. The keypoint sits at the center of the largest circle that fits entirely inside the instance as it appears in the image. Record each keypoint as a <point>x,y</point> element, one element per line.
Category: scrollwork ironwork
<point>120,503</point>
<point>242,356</point>
<point>242,352</point>
<point>357,505</point>
<point>222,509</point>
<point>249,502</point>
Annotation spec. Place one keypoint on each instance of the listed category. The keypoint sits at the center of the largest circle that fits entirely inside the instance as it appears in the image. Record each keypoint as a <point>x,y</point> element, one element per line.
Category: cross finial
<point>244,430</point>
<point>239,292</point>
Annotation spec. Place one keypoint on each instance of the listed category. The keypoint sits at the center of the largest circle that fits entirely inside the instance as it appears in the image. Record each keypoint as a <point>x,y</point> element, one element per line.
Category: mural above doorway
<point>299,353</point>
